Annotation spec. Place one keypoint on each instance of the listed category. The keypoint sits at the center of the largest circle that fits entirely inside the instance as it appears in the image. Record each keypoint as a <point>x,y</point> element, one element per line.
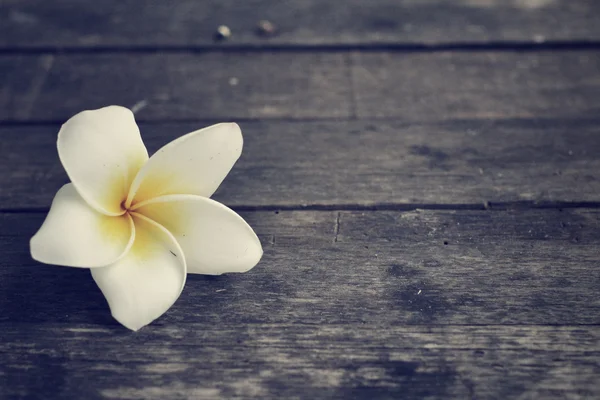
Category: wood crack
<point>337,227</point>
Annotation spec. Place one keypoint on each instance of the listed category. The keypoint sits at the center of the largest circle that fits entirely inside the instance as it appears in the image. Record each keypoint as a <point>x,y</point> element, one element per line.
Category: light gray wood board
<point>391,268</point>
<point>127,24</point>
<point>346,361</point>
<point>477,85</point>
<point>304,85</point>
<point>357,163</point>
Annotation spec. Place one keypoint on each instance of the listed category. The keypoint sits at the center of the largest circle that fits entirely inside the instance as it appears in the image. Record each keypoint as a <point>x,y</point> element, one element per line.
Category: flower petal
<point>214,239</point>
<point>76,235</point>
<point>102,151</point>
<point>195,163</point>
<point>145,283</point>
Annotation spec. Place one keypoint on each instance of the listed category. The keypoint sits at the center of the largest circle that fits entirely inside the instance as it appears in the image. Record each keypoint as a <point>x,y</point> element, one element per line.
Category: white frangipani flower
<point>141,224</point>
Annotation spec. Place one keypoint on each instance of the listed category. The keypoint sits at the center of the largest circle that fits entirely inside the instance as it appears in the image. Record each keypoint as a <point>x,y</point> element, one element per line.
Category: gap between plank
<point>521,46</point>
<point>334,325</point>
<point>404,121</point>
<point>483,206</point>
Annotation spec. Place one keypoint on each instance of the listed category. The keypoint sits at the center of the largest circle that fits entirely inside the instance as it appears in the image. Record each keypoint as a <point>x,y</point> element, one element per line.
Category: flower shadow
<point>33,292</point>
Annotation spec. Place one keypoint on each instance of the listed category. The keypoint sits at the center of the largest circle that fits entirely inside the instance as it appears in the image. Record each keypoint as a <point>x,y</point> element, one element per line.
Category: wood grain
<point>22,80</point>
<point>179,86</point>
<point>305,85</point>
<point>430,303</point>
<point>134,24</point>
<point>355,116</point>
<point>438,86</point>
<point>372,163</point>
<point>395,268</point>
<point>295,360</point>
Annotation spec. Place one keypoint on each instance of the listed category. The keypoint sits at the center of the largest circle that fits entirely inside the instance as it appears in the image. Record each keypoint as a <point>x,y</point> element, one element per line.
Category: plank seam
<point>483,206</point>
<point>332,325</point>
<point>372,119</point>
<point>10,123</point>
<point>521,46</point>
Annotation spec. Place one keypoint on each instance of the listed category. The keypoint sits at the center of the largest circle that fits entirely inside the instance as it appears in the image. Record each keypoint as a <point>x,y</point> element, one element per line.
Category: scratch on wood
<point>337,227</point>
<point>137,107</point>
<point>273,240</point>
<point>36,86</point>
<point>350,76</point>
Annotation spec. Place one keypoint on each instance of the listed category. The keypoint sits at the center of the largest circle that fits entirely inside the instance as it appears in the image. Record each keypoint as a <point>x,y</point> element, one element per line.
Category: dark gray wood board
<point>343,305</point>
<point>355,115</point>
<point>177,86</point>
<point>426,86</point>
<point>293,361</point>
<point>371,163</point>
<point>378,267</point>
<point>304,85</point>
<point>133,24</point>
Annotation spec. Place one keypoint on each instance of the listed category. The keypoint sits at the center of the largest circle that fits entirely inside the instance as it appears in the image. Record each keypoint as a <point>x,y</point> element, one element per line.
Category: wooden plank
<point>207,361</point>
<point>411,86</point>
<point>424,86</point>
<point>22,80</point>
<point>344,305</point>
<point>187,23</point>
<point>372,163</point>
<point>179,85</point>
<point>372,268</point>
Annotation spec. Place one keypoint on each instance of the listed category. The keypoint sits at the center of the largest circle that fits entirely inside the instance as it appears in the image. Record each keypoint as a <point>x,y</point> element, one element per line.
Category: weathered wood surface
<point>301,85</point>
<point>348,110</point>
<point>395,268</point>
<point>177,86</point>
<point>292,361</point>
<point>343,305</point>
<point>358,163</point>
<point>188,23</point>
<point>477,85</point>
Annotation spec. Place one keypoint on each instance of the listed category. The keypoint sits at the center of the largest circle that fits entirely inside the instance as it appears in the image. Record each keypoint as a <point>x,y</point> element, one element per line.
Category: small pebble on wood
<point>223,32</point>
<point>266,28</point>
